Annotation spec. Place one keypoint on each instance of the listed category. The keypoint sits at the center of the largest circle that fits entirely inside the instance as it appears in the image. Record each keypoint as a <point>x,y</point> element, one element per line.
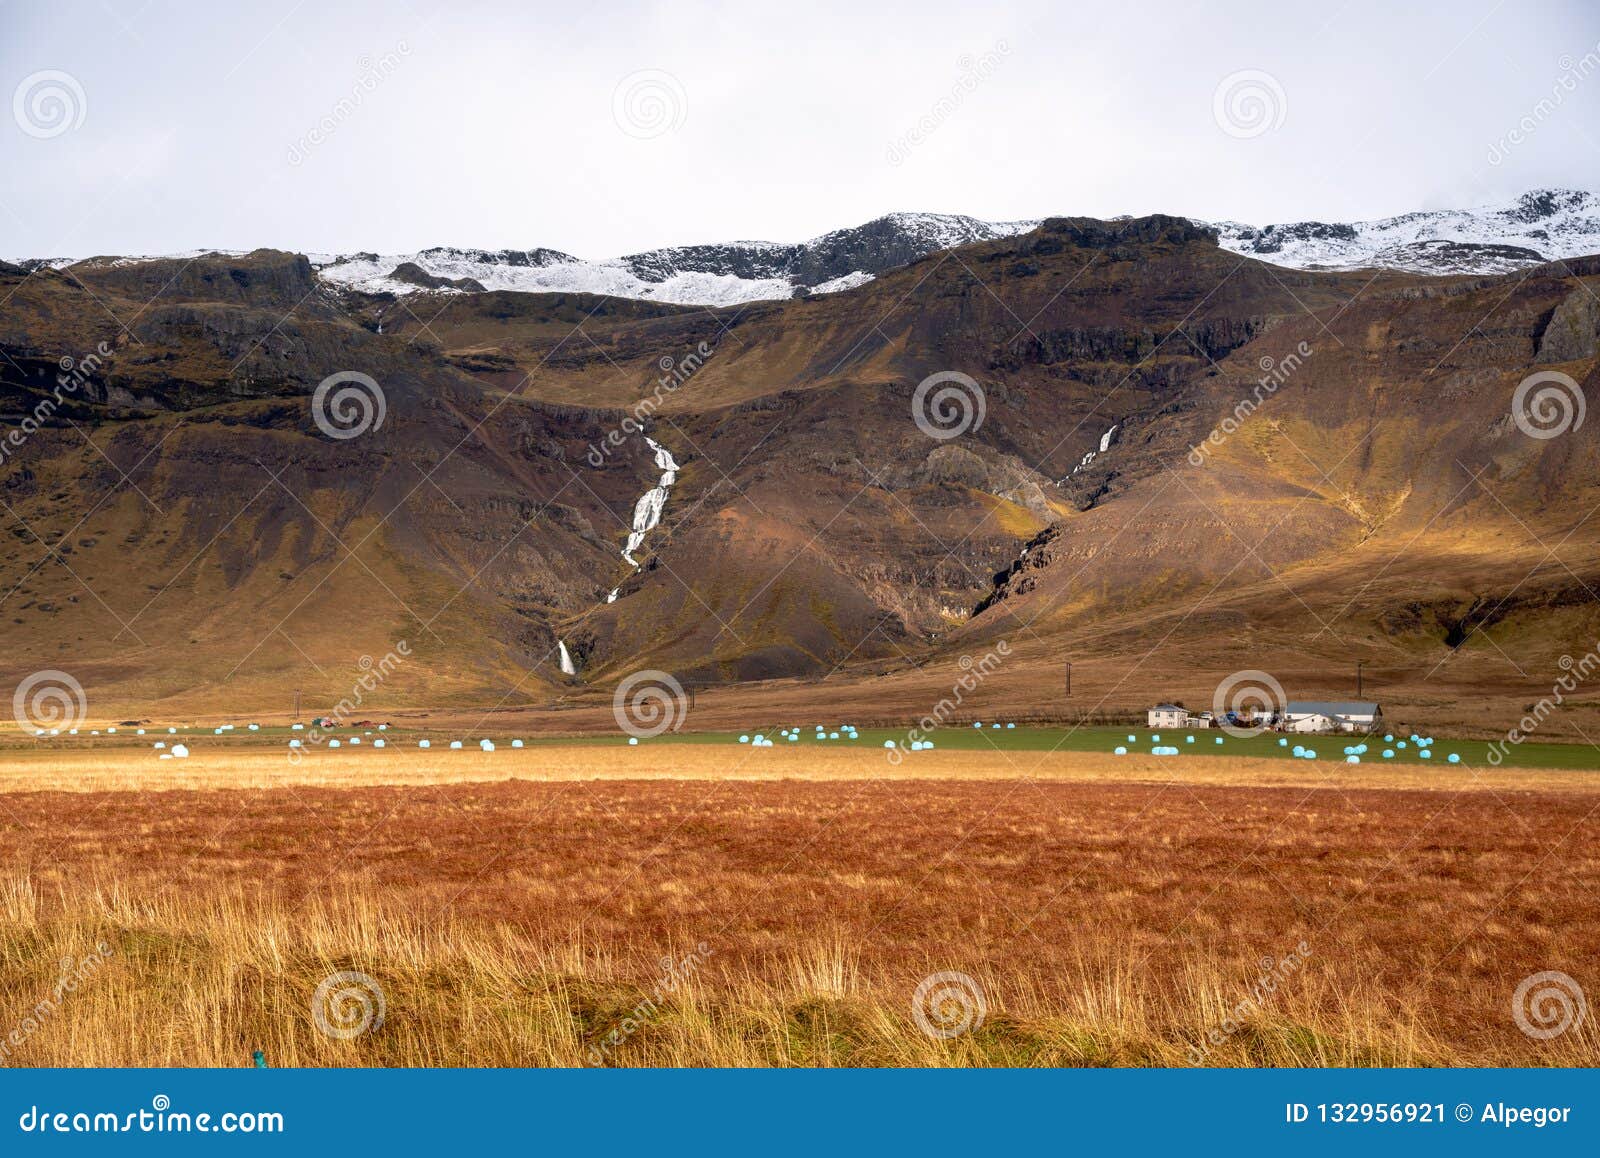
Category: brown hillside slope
<point>183,534</point>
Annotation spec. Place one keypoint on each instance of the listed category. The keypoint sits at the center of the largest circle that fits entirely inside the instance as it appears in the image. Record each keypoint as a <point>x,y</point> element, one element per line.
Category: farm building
<point>1167,716</point>
<point>1331,716</point>
<point>1311,722</point>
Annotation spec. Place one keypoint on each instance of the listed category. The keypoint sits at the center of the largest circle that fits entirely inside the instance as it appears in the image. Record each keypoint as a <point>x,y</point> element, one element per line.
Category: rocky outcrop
<point>1571,333</point>
<point>266,277</point>
<point>1004,476</point>
<point>413,274</point>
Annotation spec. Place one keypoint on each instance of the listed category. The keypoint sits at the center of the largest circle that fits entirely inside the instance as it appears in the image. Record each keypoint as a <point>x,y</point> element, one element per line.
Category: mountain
<point>714,275</point>
<point>1542,225</point>
<point>1175,465</point>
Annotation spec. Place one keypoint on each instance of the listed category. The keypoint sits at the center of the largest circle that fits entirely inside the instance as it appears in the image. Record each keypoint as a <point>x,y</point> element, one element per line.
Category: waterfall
<point>1090,455</point>
<point>647,511</point>
<point>646,516</point>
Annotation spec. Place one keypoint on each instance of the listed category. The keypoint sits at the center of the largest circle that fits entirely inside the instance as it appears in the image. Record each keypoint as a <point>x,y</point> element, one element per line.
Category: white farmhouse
<point>1331,716</point>
<point>1167,716</point>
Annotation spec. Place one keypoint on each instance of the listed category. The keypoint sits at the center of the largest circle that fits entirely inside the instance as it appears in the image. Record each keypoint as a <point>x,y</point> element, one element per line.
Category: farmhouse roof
<point>1330,708</point>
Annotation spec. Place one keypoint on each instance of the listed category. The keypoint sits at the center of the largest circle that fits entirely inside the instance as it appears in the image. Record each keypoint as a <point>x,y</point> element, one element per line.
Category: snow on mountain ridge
<point>1541,225</point>
<point>713,275</point>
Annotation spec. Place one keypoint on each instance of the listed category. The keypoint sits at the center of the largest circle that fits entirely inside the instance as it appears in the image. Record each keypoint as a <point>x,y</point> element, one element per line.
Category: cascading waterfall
<point>647,511</point>
<point>646,517</point>
<point>1089,456</point>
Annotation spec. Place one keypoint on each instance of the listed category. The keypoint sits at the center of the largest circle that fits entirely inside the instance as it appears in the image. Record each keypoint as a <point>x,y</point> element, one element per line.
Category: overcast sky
<point>607,128</point>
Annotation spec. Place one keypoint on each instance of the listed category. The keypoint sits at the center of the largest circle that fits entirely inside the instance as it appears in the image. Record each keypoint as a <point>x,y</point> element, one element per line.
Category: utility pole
<point>1069,678</point>
<point>1359,664</point>
<point>296,706</point>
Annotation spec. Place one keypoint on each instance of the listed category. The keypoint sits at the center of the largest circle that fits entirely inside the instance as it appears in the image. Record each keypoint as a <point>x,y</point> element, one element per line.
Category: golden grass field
<point>517,908</point>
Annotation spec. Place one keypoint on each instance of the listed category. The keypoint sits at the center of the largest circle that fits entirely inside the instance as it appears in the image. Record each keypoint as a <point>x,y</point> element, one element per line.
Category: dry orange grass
<point>267,766</point>
<point>524,922</point>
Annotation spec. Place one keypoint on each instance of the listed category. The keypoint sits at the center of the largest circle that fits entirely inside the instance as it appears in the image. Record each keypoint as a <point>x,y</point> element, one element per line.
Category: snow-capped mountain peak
<point>715,275</point>
<point>1541,225</point>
